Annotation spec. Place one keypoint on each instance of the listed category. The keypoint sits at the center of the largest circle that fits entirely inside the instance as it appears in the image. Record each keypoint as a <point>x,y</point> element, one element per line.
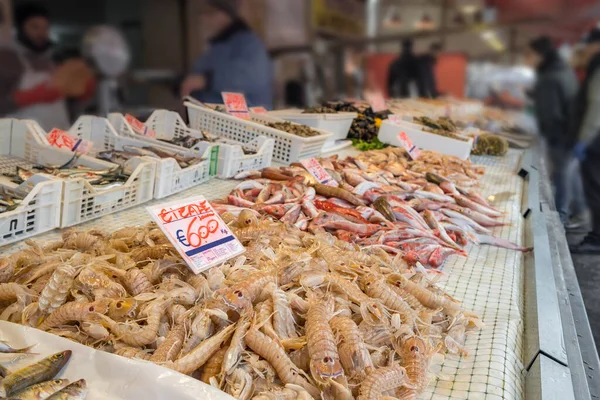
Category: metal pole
<point>373,18</point>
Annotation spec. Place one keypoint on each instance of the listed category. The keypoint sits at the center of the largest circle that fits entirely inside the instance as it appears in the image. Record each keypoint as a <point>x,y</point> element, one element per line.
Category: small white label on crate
<point>62,140</point>
<point>376,100</point>
<point>139,128</point>
<point>413,151</point>
<point>316,169</point>
<point>259,110</point>
<point>236,105</point>
<point>197,232</point>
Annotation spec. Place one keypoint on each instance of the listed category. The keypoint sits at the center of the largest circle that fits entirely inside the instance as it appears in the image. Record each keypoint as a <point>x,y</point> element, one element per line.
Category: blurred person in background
<point>26,87</point>
<point>427,70</point>
<point>404,78</point>
<point>236,61</point>
<point>554,94</point>
<point>587,149</point>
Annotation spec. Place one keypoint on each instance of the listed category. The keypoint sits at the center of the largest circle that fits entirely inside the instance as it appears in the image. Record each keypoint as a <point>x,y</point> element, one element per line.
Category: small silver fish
<point>75,391</point>
<point>42,390</point>
<point>5,348</point>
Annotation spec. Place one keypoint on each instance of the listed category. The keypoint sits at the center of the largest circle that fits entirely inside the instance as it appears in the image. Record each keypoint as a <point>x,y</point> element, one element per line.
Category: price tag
<point>236,105</point>
<point>413,151</point>
<point>259,110</point>
<point>62,140</point>
<point>319,173</point>
<point>376,101</point>
<point>197,232</point>
<point>139,128</point>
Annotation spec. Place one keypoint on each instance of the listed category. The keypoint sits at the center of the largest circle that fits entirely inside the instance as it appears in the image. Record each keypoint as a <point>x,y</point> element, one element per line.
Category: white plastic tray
<point>338,124</point>
<point>170,177</point>
<point>232,160</point>
<point>388,133</point>
<point>108,376</point>
<point>40,209</point>
<point>288,148</point>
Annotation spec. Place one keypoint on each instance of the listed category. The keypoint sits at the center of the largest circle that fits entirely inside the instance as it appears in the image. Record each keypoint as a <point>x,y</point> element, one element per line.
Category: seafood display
<point>299,315</point>
<point>442,126</point>
<point>128,152</point>
<point>294,129</point>
<point>423,211</point>
<point>96,177</point>
<point>490,144</point>
<point>320,110</point>
<point>38,381</point>
<point>9,200</point>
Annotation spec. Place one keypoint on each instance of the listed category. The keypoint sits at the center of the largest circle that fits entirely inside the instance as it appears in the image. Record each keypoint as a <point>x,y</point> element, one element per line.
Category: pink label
<point>139,128</point>
<point>62,140</point>
<point>236,104</point>
<point>408,145</point>
<point>318,172</point>
<point>376,101</point>
<point>259,110</point>
<point>197,232</point>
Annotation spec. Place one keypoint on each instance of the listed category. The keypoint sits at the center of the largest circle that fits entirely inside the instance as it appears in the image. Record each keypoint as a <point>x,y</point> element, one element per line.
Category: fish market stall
<point>484,321</point>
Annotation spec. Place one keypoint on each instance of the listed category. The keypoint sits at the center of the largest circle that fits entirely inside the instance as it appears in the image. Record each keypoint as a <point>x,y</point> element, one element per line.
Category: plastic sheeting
<point>108,376</point>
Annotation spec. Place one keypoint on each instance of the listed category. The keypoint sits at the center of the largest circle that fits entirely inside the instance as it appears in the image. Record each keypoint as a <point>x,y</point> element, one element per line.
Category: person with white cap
<point>236,61</point>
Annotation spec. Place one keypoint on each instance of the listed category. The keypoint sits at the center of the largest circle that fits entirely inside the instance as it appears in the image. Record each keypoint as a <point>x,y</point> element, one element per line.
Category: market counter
<point>536,342</point>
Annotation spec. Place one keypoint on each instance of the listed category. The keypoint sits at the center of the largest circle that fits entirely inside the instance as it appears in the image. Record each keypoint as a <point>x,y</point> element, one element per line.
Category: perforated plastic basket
<point>170,177</point>
<point>288,148</point>
<point>338,124</point>
<point>39,211</point>
<point>232,160</point>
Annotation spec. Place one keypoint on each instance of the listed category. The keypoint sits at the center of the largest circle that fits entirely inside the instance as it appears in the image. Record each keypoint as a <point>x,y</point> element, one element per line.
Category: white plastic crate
<point>40,209</point>
<point>338,124</point>
<point>231,158</point>
<point>388,133</point>
<point>170,178</point>
<point>288,148</point>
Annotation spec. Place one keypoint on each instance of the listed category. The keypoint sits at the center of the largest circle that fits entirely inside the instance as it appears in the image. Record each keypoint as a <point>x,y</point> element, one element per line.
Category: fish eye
<point>119,304</point>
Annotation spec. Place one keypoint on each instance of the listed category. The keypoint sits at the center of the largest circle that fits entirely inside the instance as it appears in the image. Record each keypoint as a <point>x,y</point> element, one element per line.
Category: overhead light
<point>393,19</point>
<point>469,9</point>
<point>492,39</point>
<point>425,23</point>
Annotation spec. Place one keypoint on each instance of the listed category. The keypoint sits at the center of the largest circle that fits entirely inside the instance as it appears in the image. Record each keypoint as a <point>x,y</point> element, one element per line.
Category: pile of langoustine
<point>426,209</point>
<point>298,316</point>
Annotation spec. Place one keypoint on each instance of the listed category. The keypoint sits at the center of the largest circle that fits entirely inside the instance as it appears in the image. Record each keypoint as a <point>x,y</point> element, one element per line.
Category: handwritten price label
<point>62,140</point>
<point>139,128</point>
<point>197,232</point>
<point>376,101</point>
<point>259,110</point>
<point>413,151</point>
<point>236,104</point>
<point>319,173</point>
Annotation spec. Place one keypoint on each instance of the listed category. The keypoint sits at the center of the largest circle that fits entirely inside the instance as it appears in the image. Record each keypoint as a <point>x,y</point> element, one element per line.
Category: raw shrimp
<point>233,353</point>
<point>283,317</point>
<point>324,359</point>
<point>263,316</point>
<point>7,269</point>
<point>274,354</point>
<point>380,381</point>
<point>415,355</point>
<point>14,291</point>
<point>57,289</point>
<point>376,287</point>
<point>73,311</point>
<point>201,353</point>
<point>212,368</point>
<point>132,352</point>
<point>171,346</point>
<point>242,295</point>
<point>354,356</point>
<point>137,282</point>
<point>135,335</point>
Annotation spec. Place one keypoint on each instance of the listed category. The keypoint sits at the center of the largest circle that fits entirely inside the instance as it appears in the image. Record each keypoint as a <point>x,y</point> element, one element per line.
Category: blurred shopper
<point>237,60</point>
<point>404,78</point>
<point>587,150</point>
<point>427,71</point>
<point>554,94</point>
<point>27,90</point>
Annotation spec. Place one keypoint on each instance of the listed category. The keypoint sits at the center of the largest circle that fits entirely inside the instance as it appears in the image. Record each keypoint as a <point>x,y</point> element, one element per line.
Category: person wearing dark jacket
<point>427,71</point>
<point>587,150</point>
<point>554,94</point>
<point>404,72</point>
<point>236,61</point>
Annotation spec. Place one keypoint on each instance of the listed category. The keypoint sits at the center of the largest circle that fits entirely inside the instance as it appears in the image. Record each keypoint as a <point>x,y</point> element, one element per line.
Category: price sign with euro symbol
<point>197,232</point>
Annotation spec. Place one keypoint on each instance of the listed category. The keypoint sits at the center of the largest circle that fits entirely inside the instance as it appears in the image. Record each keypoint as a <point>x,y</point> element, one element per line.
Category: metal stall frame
<point>560,357</point>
